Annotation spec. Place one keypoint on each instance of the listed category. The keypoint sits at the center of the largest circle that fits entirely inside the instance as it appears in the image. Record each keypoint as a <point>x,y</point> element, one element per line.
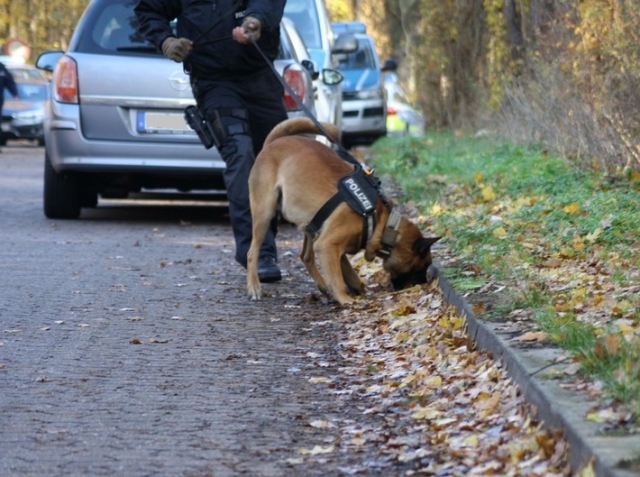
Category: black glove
<point>252,27</point>
<point>176,49</point>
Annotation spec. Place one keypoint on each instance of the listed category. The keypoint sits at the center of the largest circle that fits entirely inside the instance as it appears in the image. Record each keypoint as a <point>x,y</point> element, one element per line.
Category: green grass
<point>565,241</point>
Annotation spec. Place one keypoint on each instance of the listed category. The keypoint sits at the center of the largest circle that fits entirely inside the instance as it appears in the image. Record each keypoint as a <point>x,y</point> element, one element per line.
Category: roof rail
<point>349,27</point>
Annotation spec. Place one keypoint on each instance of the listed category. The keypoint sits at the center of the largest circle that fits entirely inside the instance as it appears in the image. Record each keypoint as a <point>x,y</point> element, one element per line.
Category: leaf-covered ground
<point>446,408</point>
<point>549,250</point>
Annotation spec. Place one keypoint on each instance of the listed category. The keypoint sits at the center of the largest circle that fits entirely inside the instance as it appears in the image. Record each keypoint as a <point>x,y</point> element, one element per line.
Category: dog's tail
<point>301,125</point>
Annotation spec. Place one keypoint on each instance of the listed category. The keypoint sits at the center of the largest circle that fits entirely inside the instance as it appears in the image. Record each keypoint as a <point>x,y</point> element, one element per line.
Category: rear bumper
<point>364,117</point>
<point>69,151</point>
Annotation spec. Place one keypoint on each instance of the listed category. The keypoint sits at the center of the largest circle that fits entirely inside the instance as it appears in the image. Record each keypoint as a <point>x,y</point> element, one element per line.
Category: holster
<point>209,134</point>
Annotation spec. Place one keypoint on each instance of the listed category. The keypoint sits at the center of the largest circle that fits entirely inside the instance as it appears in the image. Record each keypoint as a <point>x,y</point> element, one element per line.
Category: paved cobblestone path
<point>128,346</point>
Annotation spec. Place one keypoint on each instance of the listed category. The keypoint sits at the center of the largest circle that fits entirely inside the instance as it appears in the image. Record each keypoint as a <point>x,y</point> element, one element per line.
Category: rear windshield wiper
<point>141,48</point>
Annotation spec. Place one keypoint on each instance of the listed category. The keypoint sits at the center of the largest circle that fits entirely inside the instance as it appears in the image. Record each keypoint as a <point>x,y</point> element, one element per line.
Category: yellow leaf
<point>426,413</point>
<point>587,471</point>
<point>593,236</point>
<point>533,336</point>
<point>472,441</point>
<point>319,380</point>
<point>403,309</point>
<point>567,252</point>
<point>457,322</point>
<point>436,209</point>
<point>443,423</point>
<point>488,405</point>
<point>500,232</point>
<point>479,177</point>
<point>433,381</point>
<point>488,194</point>
<point>572,208</point>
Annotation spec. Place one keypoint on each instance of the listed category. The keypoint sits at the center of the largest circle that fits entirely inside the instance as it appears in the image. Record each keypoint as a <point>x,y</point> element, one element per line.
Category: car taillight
<point>391,110</point>
<point>294,76</point>
<point>65,88</point>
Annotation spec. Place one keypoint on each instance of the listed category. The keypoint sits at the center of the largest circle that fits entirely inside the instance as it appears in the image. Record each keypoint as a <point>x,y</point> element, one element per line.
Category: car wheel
<point>3,141</point>
<point>61,194</point>
<point>40,141</point>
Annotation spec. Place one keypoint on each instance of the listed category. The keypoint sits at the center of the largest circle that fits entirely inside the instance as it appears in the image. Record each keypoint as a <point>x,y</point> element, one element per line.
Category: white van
<point>312,22</point>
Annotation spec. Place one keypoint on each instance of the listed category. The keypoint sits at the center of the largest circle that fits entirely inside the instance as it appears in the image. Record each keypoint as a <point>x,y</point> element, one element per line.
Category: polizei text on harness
<point>357,192</point>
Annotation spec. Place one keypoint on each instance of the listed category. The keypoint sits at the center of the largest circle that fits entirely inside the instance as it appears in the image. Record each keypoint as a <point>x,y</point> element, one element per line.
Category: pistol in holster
<point>210,135</point>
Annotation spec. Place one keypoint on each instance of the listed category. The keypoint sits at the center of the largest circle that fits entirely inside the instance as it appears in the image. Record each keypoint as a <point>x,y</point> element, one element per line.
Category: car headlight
<point>374,93</point>
<point>30,115</point>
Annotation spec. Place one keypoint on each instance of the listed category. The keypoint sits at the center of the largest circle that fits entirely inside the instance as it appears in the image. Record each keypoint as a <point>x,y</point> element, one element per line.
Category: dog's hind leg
<point>351,278</point>
<point>308,257</point>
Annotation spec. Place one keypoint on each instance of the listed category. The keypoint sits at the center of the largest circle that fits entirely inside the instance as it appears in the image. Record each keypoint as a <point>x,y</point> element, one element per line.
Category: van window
<point>305,17</point>
<point>361,59</point>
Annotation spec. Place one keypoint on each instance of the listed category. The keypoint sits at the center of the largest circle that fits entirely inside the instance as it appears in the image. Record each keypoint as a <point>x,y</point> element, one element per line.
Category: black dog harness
<point>361,191</point>
<point>357,189</point>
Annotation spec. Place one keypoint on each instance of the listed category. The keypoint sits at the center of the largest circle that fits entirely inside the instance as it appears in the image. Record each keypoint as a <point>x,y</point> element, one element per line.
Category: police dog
<point>298,175</point>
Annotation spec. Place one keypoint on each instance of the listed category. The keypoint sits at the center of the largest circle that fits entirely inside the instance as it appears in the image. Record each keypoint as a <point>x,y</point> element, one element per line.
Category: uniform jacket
<point>195,18</point>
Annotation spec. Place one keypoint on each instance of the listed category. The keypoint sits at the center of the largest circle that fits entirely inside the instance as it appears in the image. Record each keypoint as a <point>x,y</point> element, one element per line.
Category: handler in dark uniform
<point>6,82</point>
<point>232,84</point>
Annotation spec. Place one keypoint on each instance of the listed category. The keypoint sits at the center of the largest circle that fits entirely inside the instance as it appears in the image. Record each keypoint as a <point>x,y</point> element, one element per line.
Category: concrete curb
<point>557,407</point>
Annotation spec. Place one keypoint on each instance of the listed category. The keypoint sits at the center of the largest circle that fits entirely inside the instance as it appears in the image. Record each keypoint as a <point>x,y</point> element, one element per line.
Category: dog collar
<point>390,234</point>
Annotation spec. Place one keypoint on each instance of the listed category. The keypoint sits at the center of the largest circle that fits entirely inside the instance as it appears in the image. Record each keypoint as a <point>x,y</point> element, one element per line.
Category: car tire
<point>61,193</point>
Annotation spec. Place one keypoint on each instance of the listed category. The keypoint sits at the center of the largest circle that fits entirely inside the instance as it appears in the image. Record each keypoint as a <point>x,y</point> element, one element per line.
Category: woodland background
<point>561,73</point>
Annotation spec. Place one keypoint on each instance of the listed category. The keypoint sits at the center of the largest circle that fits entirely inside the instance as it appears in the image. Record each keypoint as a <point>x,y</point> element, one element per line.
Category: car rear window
<point>111,28</point>
<point>32,91</point>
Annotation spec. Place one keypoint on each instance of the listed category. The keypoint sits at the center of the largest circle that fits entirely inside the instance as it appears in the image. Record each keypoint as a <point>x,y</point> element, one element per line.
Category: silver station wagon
<point>115,122</point>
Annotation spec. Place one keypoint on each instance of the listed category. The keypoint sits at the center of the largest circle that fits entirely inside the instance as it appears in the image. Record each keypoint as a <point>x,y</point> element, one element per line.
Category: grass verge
<point>563,242</point>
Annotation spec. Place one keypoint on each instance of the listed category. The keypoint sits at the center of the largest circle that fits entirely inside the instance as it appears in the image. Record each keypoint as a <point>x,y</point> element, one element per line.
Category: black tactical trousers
<point>248,107</point>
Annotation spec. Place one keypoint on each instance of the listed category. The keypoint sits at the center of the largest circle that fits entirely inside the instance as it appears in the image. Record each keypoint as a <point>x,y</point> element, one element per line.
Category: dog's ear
<point>422,246</point>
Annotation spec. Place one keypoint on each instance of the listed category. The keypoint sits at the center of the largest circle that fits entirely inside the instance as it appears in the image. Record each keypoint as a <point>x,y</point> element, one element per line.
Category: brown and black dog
<point>298,175</point>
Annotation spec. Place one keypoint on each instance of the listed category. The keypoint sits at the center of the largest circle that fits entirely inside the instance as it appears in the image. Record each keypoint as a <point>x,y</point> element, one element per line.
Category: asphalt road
<point>129,348</point>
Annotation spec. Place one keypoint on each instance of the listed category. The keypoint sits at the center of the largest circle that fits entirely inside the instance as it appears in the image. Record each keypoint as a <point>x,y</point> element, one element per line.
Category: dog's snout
<point>409,279</point>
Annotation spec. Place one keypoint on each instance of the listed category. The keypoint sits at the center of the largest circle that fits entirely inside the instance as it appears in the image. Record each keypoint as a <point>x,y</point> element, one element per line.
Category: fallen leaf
<point>319,380</point>
<point>572,208</point>
<point>320,424</point>
<point>500,232</point>
<point>317,450</point>
<point>532,336</point>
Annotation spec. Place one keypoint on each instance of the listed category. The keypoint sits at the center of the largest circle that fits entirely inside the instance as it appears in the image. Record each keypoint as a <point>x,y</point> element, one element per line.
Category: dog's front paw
<point>254,293</point>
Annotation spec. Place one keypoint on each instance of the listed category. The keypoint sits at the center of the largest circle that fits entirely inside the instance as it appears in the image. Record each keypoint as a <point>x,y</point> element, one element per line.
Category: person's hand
<point>176,49</point>
<point>247,32</point>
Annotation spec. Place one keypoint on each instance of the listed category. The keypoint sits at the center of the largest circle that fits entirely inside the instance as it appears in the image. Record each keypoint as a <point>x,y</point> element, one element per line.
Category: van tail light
<point>65,83</point>
<point>294,75</point>
<point>391,110</point>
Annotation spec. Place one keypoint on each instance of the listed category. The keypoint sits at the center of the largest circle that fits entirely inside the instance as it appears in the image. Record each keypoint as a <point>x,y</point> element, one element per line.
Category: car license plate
<point>162,122</point>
